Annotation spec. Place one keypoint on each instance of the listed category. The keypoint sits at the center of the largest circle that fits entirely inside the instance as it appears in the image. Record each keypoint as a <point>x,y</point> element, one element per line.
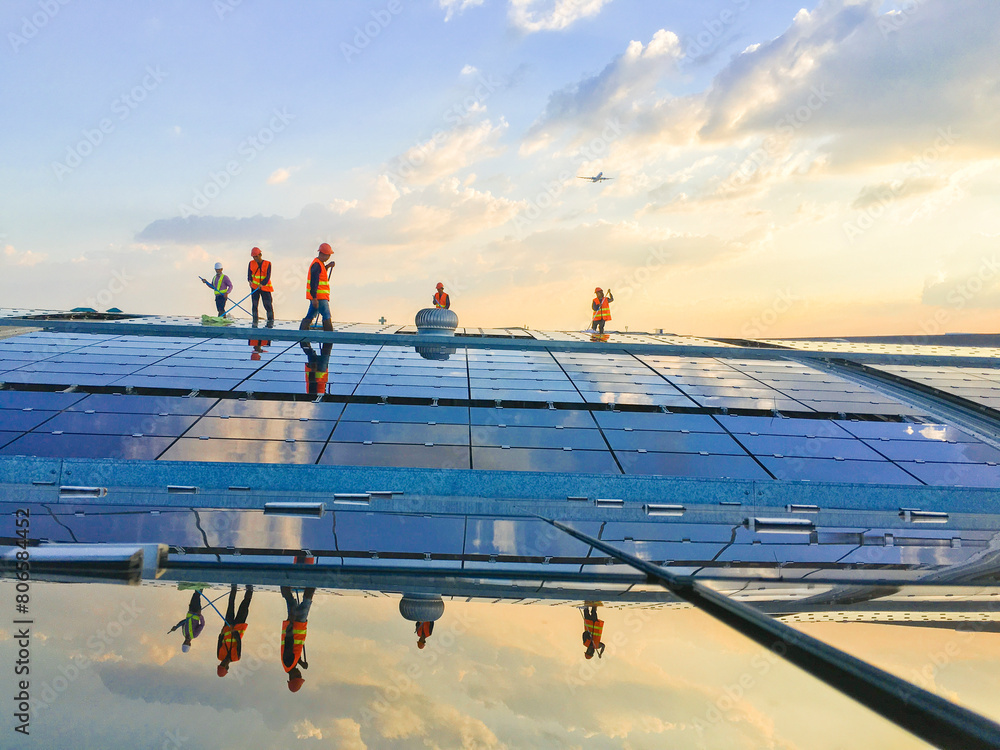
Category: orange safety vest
<point>440,299</point>
<point>231,641</point>
<point>298,634</point>
<point>319,376</point>
<point>323,290</point>
<point>603,311</point>
<point>595,628</point>
<point>258,272</point>
<point>424,629</point>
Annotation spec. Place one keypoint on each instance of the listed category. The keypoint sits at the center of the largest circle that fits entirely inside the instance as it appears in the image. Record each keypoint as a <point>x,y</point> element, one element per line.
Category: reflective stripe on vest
<point>440,299</point>
<point>320,376</point>
<point>190,622</point>
<point>596,629</point>
<point>258,272</point>
<point>298,635</point>
<point>232,639</point>
<point>323,289</point>
<point>603,311</point>
<point>217,284</point>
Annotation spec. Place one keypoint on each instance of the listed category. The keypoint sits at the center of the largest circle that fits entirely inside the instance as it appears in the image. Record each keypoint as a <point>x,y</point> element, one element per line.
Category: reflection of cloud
<point>306,729</point>
<point>453,8</point>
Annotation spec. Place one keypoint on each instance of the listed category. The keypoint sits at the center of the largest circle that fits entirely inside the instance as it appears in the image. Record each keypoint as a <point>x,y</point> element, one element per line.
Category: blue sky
<point>829,169</point>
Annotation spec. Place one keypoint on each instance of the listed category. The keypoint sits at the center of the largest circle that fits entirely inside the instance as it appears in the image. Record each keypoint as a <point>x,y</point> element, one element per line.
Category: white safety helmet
<point>218,266</point>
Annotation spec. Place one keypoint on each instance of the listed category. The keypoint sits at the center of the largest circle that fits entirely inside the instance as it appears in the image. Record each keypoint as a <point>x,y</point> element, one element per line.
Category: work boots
<point>304,325</point>
<point>327,325</point>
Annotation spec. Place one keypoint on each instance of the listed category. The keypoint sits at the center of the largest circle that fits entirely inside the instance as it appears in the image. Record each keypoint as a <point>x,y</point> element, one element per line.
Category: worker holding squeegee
<point>222,286</point>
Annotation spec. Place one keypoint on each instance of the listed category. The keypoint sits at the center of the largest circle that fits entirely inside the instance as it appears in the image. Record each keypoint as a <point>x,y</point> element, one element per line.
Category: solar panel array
<point>678,416</point>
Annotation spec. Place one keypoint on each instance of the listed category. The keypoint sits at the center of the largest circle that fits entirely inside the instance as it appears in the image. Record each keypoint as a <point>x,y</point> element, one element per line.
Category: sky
<point>780,168</point>
<point>106,673</point>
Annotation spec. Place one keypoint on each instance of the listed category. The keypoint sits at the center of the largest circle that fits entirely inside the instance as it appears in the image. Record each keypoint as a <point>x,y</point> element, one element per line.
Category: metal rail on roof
<point>928,716</point>
<point>504,343</point>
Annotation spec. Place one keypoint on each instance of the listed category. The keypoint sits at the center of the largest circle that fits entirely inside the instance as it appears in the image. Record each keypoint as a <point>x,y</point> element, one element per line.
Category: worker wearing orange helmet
<point>423,631</point>
<point>259,278</point>
<point>601,308</point>
<point>293,636</point>
<point>593,629</point>
<point>230,644</point>
<point>441,299</point>
<point>318,289</point>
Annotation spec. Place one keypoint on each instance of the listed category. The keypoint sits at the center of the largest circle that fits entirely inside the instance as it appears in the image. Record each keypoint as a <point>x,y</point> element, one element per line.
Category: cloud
<point>530,16</point>
<point>280,175</point>
<point>969,279</point>
<point>469,70</point>
<point>587,105</point>
<point>26,258</point>
<point>306,729</point>
<point>887,192</point>
<point>449,151</point>
<point>453,8</point>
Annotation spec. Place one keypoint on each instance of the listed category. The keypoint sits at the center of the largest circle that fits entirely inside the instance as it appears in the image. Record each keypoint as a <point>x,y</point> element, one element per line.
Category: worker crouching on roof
<point>423,631</point>
<point>231,638</point>
<point>441,299</point>
<point>259,278</point>
<point>193,622</point>
<point>293,636</point>
<point>318,289</point>
<point>602,309</point>
<point>593,629</point>
<point>222,286</point>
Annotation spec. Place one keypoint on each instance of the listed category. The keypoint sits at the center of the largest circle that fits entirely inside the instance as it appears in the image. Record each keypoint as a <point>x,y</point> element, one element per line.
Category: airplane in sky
<point>598,178</point>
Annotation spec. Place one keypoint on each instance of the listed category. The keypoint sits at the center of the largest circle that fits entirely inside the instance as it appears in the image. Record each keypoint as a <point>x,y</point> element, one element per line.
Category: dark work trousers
<point>240,617</point>
<point>598,325</point>
<point>220,304</point>
<point>256,296</point>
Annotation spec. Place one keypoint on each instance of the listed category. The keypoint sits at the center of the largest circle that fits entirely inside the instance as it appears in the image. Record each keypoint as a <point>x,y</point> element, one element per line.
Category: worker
<point>193,623</point>
<point>259,277</point>
<point>317,367</point>
<point>258,348</point>
<point>230,645</point>
<point>222,286</point>
<point>423,631</point>
<point>442,300</point>
<point>592,631</point>
<point>601,308</point>
<point>293,636</point>
<point>318,289</point>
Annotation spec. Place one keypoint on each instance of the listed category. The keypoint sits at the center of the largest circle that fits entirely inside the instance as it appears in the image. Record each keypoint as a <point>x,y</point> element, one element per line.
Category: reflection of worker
<point>592,631</point>
<point>259,278</point>
<point>258,348</point>
<point>601,308</point>
<point>318,289</point>
<point>599,337</point>
<point>231,638</point>
<point>193,623</point>
<point>293,636</point>
<point>441,299</point>
<point>423,631</point>
<point>317,367</point>
<point>222,286</point>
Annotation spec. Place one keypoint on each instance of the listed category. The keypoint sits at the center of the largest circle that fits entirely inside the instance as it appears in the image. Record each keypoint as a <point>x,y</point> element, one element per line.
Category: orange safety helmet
<point>421,643</point>
<point>295,684</point>
<point>325,249</point>
<point>440,285</point>
<point>598,290</point>
<point>255,356</point>
<point>222,670</point>
<point>255,251</point>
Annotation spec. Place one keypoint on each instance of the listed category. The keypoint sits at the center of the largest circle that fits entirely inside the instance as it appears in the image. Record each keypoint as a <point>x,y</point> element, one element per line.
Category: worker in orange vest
<point>442,300</point>
<point>293,636</point>
<point>317,367</point>
<point>592,631</point>
<point>259,277</point>
<point>601,308</point>
<point>231,638</point>
<point>423,631</point>
<point>318,289</point>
